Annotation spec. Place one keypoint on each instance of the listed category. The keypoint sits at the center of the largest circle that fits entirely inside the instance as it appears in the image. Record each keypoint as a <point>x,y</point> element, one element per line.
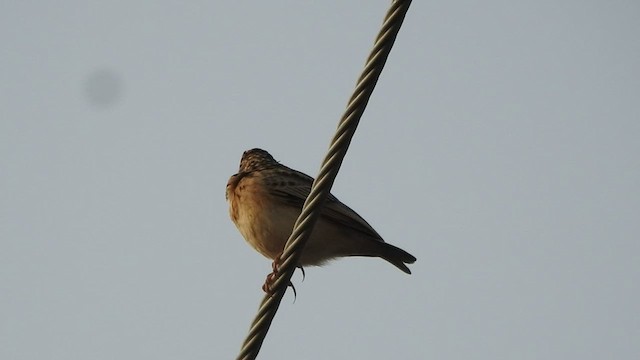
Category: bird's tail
<point>397,257</point>
<point>393,254</point>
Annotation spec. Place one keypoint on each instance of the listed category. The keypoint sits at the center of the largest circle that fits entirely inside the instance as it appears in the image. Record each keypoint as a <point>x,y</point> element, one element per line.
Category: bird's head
<point>256,159</point>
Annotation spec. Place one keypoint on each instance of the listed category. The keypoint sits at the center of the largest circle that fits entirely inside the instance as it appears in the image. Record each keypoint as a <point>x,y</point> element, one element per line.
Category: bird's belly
<point>265,226</point>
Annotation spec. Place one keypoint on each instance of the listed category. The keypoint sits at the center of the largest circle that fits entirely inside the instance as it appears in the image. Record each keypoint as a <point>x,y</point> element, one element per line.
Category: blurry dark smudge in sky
<point>103,88</point>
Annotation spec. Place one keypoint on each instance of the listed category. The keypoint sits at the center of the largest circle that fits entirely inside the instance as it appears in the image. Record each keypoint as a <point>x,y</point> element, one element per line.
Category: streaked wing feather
<point>333,211</point>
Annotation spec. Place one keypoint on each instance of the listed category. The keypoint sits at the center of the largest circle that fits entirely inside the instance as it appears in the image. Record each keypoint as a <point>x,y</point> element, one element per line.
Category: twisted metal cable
<point>323,182</point>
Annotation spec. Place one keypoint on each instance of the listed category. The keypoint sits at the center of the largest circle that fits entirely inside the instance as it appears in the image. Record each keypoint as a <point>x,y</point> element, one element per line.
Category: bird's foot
<point>268,283</point>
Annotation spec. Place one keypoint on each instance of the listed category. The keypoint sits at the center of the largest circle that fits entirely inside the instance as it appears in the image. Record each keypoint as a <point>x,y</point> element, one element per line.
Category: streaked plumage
<point>265,199</point>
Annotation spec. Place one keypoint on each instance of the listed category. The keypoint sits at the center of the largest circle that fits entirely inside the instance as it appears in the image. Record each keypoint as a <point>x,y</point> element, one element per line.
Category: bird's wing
<point>296,190</point>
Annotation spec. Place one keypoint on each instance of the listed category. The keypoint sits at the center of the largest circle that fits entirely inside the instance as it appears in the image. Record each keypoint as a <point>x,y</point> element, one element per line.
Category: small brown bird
<point>265,199</point>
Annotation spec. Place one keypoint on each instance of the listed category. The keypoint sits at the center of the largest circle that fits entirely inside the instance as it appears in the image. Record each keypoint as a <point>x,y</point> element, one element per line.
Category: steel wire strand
<point>323,182</point>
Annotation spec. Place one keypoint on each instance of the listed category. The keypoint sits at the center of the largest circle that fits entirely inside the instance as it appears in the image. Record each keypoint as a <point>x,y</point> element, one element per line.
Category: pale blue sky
<point>501,148</point>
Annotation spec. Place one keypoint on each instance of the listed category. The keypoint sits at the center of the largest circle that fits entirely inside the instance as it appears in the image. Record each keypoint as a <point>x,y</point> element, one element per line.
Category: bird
<point>266,197</point>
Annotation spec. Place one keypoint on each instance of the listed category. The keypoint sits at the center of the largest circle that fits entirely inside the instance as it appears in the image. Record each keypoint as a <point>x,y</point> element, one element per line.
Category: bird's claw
<point>267,286</point>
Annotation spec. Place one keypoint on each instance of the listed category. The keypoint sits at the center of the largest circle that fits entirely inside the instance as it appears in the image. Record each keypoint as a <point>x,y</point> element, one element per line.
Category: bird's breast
<point>263,222</point>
